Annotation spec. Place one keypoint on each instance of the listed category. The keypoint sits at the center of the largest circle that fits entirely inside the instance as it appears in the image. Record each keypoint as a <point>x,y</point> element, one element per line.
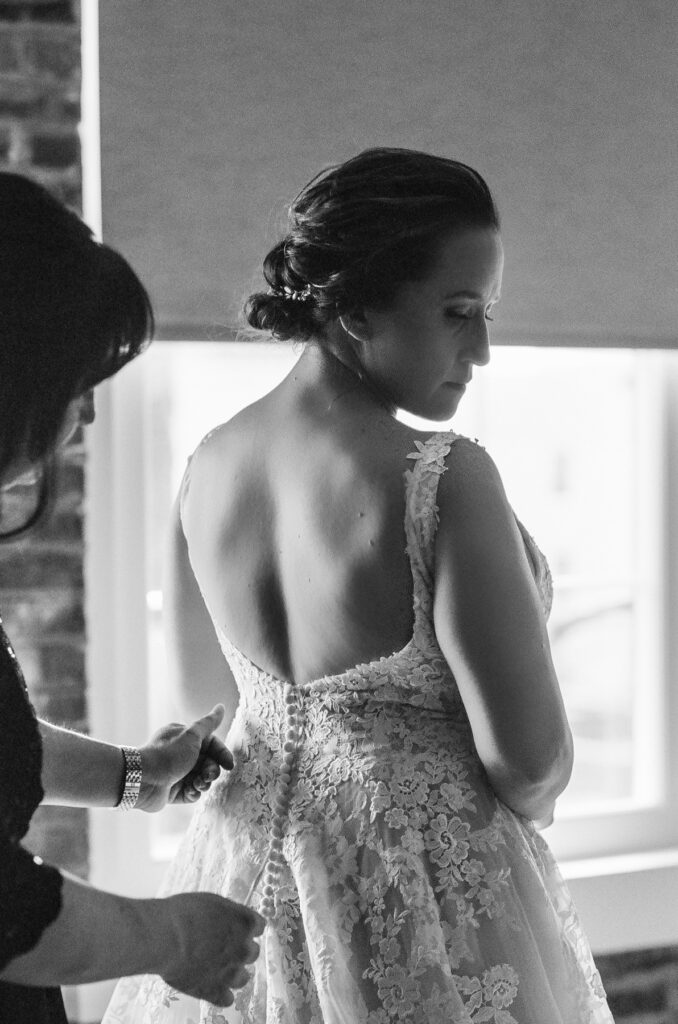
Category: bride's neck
<point>334,366</point>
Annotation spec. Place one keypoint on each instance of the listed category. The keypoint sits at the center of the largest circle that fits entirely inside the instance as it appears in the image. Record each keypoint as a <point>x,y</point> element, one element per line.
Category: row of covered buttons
<point>274,858</point>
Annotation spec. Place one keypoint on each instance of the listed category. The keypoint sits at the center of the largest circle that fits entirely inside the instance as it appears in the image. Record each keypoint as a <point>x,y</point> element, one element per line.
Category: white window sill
<point>628,901</point>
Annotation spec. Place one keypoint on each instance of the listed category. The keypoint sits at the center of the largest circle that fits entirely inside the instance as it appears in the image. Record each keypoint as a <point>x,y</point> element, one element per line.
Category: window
<point>585,446</point>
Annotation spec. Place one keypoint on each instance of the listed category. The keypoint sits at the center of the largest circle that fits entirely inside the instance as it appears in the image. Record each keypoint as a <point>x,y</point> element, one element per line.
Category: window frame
<point>647,845</point>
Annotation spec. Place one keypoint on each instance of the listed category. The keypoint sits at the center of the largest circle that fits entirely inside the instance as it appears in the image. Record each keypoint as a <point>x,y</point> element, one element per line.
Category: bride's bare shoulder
<point>227,453</point>
<point>227,440</point>
<point>471,493</point>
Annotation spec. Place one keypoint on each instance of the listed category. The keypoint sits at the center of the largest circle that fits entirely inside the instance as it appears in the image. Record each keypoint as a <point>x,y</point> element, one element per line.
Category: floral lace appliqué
<point>405,892</point>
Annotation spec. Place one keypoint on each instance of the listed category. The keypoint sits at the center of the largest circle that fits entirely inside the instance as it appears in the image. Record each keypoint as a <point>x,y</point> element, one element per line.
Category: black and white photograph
<point>338,512</point>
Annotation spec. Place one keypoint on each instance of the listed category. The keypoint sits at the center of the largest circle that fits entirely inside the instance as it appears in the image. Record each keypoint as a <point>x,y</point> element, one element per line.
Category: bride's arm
<point>492,631</point>
<point>198,673</point>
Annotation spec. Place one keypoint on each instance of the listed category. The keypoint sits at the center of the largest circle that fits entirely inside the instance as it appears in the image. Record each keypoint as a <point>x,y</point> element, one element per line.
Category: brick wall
<point>41,577</point>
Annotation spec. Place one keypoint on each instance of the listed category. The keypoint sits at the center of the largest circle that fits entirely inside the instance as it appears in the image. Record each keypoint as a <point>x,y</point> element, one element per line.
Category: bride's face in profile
<point>421,350</point>
<point>22,470</point>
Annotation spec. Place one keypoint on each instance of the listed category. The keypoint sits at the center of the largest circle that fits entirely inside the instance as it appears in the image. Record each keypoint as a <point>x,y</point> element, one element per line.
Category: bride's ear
<point>357,326</point>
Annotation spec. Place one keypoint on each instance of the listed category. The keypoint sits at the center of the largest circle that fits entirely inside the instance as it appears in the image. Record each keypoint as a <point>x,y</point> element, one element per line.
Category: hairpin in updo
<point>294,295</point>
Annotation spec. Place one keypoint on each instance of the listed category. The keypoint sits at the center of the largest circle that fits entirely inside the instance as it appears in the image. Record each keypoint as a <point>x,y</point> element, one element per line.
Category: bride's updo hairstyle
<point>359,231</point>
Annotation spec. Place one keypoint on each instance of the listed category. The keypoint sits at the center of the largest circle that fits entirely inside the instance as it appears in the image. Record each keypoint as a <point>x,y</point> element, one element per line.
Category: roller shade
<point>214,113</point>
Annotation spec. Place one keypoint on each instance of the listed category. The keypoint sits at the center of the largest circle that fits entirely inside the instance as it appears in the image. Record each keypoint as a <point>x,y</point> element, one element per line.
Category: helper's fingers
<point>217,751</point>
<point>240,978</point>
<point>209,771</point>
<point>259,924</point>
<point>252,952</point>
<point>205,726</point>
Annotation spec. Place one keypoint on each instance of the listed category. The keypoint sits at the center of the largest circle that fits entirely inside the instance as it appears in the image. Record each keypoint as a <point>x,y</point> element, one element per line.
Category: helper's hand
<point>180,762</point>
<point>208,944</point>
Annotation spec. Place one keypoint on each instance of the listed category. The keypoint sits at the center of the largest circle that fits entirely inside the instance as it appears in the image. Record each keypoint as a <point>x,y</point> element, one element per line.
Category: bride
<point>381,619</point>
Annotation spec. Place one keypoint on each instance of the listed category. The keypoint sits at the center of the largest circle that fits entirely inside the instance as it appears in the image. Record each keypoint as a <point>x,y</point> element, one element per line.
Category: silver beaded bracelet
<point>132,783</point>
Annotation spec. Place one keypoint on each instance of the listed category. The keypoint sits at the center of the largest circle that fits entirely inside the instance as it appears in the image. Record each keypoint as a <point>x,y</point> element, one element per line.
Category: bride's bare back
<point>294,518</point>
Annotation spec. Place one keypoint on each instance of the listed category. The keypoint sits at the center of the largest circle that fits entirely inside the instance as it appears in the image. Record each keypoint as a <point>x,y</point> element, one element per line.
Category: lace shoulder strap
<point>421,511</point>
<point>421,522</point>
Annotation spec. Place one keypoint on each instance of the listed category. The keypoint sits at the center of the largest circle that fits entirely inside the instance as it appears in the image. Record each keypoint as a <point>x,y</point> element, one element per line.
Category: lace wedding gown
<point>398,887</point>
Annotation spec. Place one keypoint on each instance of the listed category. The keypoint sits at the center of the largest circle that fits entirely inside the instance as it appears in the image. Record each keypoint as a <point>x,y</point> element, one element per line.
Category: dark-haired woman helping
<point>72,312</point>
